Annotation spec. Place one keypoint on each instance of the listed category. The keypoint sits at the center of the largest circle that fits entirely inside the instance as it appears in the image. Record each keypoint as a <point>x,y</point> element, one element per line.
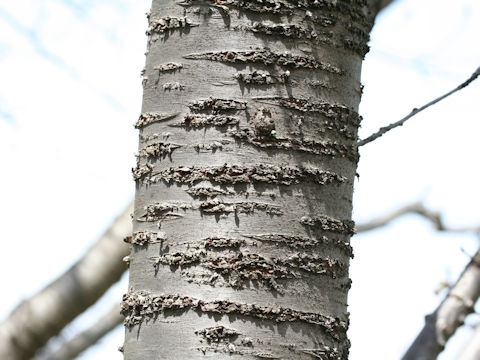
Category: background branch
<point>450,314</point>
<point>459,302</point>
<point>415,208</point>
<point>89,337</point>
<point>42,316</point>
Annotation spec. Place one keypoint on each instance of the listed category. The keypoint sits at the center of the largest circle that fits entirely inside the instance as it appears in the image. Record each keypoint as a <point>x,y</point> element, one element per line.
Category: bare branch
<point>415,208</point>
<point>450,314</point>
<point>87,338</point>
<point>43,315</point>
<point>441,324</point>
<point>415,111</point>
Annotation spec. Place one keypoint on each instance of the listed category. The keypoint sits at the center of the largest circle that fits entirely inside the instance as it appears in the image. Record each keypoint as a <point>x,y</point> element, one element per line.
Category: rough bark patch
<point>139,306</point>
<point>235,174</point>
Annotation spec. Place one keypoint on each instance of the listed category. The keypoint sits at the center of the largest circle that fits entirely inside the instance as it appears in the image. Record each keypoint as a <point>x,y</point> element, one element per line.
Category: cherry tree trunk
<point>245,174</point>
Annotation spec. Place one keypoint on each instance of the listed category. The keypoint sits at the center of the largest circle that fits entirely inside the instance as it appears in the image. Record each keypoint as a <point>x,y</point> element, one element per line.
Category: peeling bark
<point>157,150</point>
<point>167,23</point>
<point>329,224</point>
<point>168,67</point>
<point>232,174</point>
<point>217,105</point>
<point>150,118</point>
<point>308,146</point>
<point>301,242</point>
<point>198,121</point>
<point>139,307</point>
<point>145,237</point>
<point>266,57</point>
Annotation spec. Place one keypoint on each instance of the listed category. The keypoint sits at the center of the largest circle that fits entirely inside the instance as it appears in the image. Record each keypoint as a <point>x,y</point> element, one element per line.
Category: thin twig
<point>415,111</point>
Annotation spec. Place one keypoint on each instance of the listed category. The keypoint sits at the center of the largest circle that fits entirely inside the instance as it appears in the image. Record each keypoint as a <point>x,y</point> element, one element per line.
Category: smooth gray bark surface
<point>42,316</point>
<point>245,174</point>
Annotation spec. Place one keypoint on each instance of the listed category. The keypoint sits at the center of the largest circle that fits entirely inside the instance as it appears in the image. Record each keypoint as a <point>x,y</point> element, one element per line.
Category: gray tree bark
<point>245,174</point>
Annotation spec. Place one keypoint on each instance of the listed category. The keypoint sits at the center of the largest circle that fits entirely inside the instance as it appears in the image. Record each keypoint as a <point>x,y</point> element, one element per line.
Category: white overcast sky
<point>70,90</point>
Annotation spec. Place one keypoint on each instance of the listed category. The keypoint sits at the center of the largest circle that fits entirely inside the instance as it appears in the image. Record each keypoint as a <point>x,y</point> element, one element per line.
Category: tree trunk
<point>244,180</point>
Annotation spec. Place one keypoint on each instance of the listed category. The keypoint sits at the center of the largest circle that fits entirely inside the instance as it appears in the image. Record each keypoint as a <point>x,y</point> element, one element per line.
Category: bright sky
<point>70,73</point>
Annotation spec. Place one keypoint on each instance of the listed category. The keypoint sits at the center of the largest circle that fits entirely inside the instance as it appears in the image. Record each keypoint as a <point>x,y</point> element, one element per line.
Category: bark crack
<point>332,111</point>
<point>198,121</point>
<point>143,238</point>
<point>150,118</point>
<point>296,241</point>
<point>308,146</point>
<point>218,105</point>
<point>328,223</point>
<point>169,67</point>
<point>138,307</point>
<point>158,150</point>
<point>266,57</point>
<point>240,268</point>
<point>158,211</point>
<point>168,23</point>
<point>235,174</point>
